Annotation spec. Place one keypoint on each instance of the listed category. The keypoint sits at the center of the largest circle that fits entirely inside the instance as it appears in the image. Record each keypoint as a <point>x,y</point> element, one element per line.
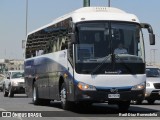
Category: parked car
<point>14,84</point>
<point>152,85</point>
<point>2,77</point>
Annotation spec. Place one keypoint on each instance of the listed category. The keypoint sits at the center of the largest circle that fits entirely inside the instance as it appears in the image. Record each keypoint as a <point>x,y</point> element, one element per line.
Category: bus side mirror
<point>152,38</point>
<point>150,30</point>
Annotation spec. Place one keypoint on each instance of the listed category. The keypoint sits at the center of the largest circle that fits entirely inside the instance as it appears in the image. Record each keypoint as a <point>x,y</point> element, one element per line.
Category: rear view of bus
<point>94,54</point>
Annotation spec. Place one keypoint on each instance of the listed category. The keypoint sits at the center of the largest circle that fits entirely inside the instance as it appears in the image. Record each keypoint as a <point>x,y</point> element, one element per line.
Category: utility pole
<point>154,59</point>
<point>150,57</point>
<point>86,3</point>
<point>26,17</point>
<point>109,3</point>
<point>26,29</point>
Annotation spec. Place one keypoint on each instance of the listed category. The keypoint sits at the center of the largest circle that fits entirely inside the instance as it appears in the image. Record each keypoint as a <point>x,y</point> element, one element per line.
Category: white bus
<point>73,59</point>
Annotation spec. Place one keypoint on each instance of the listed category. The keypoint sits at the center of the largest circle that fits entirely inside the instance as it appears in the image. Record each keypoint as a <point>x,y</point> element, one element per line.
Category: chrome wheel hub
<point>63,95</point>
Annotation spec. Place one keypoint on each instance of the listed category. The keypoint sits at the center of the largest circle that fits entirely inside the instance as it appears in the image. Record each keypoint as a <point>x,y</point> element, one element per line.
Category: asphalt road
<point>24,106</point>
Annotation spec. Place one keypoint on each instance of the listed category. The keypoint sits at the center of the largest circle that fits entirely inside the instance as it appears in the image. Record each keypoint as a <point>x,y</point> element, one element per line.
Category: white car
<point>152,84</point>
<point>14,84</point>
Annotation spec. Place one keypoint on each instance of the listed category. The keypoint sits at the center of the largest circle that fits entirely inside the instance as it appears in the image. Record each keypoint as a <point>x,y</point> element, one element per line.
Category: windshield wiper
<point>100,65</point>
<point>113,57</point>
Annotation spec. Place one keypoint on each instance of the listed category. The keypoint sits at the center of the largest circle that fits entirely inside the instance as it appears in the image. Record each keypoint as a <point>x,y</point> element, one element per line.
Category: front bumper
<point>18,89</point>
<point>152,93</point>
<point>102,95</point>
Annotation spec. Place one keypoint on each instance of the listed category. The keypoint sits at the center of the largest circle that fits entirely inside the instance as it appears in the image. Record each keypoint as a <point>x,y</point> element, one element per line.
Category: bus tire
<point>35,99</point>
<point>63,97</point>
<point>5,93</point>
<point>123,106</point>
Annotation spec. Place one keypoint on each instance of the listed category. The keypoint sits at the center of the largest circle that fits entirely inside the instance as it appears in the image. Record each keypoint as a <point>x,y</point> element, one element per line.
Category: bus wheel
<point>35,98</point>
<point>123,106</point>
<point>63,97</point>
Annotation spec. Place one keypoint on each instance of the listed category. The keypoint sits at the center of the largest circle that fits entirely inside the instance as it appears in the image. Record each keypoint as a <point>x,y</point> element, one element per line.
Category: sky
<point>42,12</point>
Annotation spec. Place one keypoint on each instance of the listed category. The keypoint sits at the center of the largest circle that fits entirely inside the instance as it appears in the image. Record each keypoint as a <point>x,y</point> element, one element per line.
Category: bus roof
<point>95,14</point>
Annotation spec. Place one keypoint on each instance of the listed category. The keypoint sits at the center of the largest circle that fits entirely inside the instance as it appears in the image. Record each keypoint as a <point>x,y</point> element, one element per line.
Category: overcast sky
<point>41,12</point>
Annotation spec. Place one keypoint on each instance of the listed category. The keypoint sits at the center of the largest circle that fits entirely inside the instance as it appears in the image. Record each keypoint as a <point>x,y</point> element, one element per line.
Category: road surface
<point>24,106</point>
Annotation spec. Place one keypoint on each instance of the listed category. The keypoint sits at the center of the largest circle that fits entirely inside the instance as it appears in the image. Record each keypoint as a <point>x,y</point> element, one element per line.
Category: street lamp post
<point>154,56</point>
<point>150,57</point>
<point>109,3</point>
<point>26,29</point>
<point>26,17</point>
<point>86,3</point>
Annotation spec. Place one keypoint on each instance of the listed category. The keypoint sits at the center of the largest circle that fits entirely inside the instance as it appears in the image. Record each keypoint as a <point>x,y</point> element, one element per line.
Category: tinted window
<point>152,72</point>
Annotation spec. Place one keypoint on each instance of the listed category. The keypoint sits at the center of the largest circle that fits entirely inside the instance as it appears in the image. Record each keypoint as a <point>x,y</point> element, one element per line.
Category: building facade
<point>11,64</point>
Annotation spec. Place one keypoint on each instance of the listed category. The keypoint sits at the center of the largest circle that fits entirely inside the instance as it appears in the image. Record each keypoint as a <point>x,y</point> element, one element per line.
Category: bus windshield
<point>97,40</point>
<point>103,47</point>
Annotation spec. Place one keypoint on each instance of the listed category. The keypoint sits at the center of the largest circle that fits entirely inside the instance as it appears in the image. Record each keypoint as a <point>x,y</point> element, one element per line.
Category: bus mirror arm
<point>150,30</point>
<point>72,35</point>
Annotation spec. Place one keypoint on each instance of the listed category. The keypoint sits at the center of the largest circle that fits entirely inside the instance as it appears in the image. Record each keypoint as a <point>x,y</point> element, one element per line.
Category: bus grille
<point>157,85</point>
<point>119,90</point>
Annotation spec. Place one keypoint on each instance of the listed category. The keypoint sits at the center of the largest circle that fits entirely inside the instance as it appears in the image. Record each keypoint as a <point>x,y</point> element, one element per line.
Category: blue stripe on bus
<point>105,88</point>
<point>43,61</point>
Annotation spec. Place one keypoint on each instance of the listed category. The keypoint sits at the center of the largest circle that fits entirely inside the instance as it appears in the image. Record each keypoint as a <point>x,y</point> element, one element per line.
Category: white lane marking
<point>1,109</point>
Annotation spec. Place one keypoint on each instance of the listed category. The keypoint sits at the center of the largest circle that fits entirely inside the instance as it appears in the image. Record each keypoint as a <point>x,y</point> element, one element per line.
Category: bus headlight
<point>83,86</point>
<point>139,86</point>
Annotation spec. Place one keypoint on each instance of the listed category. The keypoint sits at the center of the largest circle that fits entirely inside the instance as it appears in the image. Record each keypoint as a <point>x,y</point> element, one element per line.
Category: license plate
<point>113,95</point>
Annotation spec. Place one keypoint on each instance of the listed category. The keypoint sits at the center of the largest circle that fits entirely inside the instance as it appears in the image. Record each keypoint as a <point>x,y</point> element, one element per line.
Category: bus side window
<point>54,46</point>
<point>64,45</point>
<point>39,52</point>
